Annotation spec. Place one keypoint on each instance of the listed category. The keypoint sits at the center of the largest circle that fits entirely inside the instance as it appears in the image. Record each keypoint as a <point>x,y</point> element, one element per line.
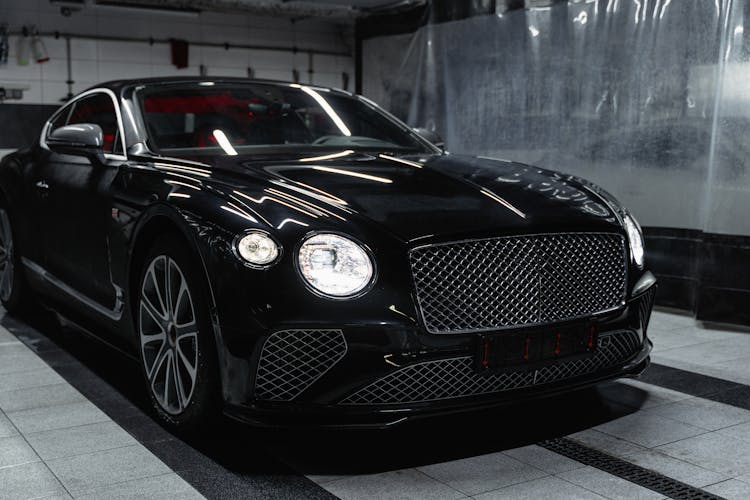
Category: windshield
<point>206,118</point>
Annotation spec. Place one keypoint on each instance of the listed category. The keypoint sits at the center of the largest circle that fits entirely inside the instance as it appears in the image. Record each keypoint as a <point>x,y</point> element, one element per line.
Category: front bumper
<point>379,376</point>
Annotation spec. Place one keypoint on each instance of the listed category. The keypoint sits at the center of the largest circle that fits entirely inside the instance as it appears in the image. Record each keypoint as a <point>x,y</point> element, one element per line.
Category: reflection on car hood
<point>417,197</point>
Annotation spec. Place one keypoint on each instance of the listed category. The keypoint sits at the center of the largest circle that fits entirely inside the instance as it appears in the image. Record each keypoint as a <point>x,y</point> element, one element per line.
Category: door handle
<point>42,186</point>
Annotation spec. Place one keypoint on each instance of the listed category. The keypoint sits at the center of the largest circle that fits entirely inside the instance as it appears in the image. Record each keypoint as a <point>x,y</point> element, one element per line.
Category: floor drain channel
<point>630,472</point>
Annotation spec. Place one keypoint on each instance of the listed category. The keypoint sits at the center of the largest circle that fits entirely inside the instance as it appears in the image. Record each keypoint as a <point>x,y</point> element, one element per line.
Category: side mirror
<point>81,139</point>
<point>431,136</point>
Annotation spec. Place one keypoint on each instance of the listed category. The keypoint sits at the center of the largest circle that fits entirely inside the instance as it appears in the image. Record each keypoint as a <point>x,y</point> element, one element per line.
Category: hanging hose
<point>68,60</point>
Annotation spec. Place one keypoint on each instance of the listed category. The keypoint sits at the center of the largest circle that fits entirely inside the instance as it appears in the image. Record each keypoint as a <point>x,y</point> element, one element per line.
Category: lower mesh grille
<point>292,360</point>
<point>455,377</point>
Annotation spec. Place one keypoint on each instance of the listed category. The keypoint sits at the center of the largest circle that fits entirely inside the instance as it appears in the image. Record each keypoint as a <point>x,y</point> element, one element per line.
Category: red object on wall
<point>180,51</point>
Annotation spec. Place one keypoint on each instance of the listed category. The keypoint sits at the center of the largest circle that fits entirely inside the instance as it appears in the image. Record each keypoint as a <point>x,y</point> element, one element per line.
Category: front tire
<point>177,351</point>
<point>14,293</point>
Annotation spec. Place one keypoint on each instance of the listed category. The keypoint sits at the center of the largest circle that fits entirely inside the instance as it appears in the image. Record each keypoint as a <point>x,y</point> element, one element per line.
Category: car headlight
<point>635,239</point>
<point>258,248</point>
<point>334,265</point>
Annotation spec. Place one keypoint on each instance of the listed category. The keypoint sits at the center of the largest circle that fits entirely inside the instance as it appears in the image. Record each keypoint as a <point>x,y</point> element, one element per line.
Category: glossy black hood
<point>417,197</point>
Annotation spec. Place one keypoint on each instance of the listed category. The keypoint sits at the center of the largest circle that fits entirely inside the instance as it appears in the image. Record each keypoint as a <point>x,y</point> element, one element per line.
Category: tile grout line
<point>44,462</point>
<point>46,466</point>
<point>45,405</point>
<point>4,467</point>
<point>487,491</point>
<point>75,427</point>
<point>668,442</point>
<point>598,493</point>
<point>688,460</point>
<point>525,481</point>
<point>119,420</point>
<point>2,391</point>
<point>90,491</point>
<point>416,469</point>
<point>108,419</point>
<point>682,460</point>
<point>724,481</point>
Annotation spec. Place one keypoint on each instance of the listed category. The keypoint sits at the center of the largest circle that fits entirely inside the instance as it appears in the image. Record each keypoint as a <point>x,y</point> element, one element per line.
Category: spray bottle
<point>38,48</point>
<point>22,54</point>
<point>4,45</point>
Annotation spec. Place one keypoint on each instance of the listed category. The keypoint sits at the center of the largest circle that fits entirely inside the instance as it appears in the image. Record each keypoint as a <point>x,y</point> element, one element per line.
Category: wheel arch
<point>155,223</point>
<point>10,177</point>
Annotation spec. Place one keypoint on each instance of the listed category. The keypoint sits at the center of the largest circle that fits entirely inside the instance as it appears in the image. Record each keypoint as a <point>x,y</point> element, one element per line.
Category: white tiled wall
<point>98,61</point>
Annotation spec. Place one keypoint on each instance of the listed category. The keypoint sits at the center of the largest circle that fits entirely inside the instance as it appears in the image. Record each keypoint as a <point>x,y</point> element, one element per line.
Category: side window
<point>60,120</point>
<point>100,110</point>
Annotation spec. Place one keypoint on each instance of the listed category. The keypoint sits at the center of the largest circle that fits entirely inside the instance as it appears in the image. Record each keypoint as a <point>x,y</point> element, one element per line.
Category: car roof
<point>118,86</point>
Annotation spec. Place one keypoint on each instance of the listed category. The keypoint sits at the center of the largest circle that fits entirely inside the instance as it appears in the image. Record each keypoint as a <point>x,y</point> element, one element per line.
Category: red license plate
<point>531,348</point>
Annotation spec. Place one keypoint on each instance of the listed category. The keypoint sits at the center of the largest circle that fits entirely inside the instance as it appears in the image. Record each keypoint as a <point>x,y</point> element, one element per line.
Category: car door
<point>77,209</point>
<point>31,208</point>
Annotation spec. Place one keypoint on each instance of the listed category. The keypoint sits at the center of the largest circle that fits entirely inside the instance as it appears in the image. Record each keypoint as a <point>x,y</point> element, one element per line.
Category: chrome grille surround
<point>293,360</point>
<point>490,284</point>
<point>455,377</point>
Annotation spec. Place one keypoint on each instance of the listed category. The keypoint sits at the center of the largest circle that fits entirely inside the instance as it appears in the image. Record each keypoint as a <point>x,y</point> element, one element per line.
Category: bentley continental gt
<point>288,254</point>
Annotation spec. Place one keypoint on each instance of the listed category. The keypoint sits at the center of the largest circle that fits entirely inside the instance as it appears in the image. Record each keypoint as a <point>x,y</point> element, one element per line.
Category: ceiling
<point>283,8</point>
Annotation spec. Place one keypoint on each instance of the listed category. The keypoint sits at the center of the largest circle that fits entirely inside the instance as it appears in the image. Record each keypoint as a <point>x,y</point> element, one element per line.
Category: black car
<point>290,254</point>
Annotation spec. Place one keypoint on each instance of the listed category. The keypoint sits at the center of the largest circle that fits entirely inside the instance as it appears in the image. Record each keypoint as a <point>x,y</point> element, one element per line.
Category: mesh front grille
<point>456,377</point>
<point>521,280</point>
<point>292,360</point>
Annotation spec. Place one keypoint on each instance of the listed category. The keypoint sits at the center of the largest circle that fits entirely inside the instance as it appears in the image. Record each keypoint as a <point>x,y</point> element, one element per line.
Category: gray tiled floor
<point>32,480</point>
<point>547,488</point>
<point>543,459</point>
<point>483,473</point>
<point>14,450</point>
<point>649,430</point>
<point>82,473</point>
<point>56,417</point>
<point>596,480</point>
<point>731,489</point>
<point>713,451</point>
<point>684,343</point>
<point>402,484</point>
<point>677,469</point>
<point>163,487</point>
<point>54,444</point>
<point>80,440</point>
<point>694,440</point>
<point>30,378</point>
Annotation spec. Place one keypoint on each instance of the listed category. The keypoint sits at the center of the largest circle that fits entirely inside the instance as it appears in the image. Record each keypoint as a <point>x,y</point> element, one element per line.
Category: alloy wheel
<point>169,334</point>
<point>7,268</point>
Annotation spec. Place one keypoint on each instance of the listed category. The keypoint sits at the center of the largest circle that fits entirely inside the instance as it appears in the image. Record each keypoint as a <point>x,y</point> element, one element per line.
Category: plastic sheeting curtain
<point>648,98</point>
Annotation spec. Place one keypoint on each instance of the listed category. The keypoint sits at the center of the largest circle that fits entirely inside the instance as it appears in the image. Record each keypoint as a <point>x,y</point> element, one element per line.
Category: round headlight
<point>334,265</point>
<point>635,239</point>
<point>258,249</point>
